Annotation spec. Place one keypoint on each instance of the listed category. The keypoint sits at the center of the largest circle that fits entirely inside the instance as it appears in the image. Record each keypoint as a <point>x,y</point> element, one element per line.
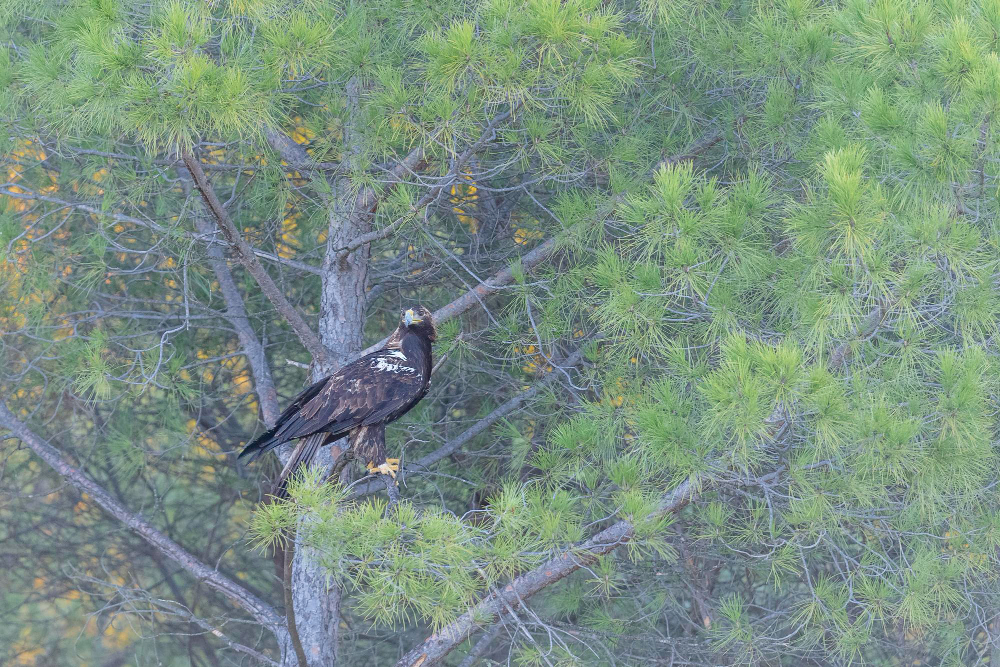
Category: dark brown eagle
<point>358,400</point>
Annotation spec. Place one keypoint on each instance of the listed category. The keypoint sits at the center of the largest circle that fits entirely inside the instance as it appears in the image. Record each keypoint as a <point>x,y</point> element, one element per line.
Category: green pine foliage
<point>777,249</point>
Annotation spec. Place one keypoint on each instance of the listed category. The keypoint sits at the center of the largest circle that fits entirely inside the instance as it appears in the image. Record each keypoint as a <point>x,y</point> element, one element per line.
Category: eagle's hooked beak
<point>408,317</point>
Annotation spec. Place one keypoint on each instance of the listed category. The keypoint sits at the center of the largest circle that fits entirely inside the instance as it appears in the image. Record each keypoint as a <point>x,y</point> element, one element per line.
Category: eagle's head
<point>419,320</point>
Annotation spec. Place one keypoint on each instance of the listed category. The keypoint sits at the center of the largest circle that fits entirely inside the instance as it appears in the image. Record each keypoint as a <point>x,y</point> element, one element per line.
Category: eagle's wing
<point>363,392</point>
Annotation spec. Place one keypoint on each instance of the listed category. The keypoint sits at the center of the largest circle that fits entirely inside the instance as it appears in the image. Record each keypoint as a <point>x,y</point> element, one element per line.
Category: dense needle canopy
<point>359,399</point>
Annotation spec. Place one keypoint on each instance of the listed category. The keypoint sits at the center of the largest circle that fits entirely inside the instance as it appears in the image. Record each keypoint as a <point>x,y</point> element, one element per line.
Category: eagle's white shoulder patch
<point>398,354</point>
<point>386,364</point>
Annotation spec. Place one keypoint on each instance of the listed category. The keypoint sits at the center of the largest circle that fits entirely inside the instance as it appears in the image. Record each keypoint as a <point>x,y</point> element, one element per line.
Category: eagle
<point>358,401</point>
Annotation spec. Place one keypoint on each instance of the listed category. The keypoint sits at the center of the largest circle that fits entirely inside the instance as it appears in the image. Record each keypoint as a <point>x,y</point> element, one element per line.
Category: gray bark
<point>236,314</point>
<point>341,332</point>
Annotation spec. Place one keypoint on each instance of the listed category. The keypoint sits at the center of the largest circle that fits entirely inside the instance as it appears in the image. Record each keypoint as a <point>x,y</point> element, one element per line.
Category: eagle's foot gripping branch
<point>390,467</point>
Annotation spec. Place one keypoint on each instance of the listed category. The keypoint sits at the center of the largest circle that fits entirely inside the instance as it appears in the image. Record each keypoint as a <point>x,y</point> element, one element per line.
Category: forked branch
<point>245,254</point>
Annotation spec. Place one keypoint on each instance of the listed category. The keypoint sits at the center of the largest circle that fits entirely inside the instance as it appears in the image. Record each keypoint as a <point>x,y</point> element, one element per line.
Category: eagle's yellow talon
<point>387,469</point>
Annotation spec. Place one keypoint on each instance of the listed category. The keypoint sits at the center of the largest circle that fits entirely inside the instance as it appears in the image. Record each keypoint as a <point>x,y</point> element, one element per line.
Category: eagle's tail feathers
<point>295,427</point>
<point>264,443</point>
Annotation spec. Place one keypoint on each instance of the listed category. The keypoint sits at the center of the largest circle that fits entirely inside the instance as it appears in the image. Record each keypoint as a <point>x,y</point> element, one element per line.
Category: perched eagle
<point>358,400</point>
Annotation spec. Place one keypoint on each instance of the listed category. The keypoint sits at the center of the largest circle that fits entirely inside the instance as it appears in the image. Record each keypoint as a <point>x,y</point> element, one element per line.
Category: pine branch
<point>241,597</point>
<point>865,330</point>
<point>491,609</point>
<point>290,152</point>
<point>290,263</point>
<point>247,258</point>
<point>694,152</point>
<point>499,280</point>
<point>236,314</point>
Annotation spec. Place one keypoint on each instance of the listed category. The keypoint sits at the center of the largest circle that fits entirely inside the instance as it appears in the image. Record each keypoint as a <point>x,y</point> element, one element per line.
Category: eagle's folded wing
<point>363,392</point>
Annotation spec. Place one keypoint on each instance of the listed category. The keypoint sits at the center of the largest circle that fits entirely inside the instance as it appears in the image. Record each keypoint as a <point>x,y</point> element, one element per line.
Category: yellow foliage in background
<point>287,237</point>
<point>614,394</point>
<point>522,235</point>
<point>536,362</point>
<point>463,199</point>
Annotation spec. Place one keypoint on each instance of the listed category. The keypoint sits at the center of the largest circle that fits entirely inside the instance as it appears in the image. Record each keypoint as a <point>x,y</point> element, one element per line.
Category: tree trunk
<point>341,331</point>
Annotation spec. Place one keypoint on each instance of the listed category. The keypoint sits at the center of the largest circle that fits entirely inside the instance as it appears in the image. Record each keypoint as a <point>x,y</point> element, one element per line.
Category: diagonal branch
<point>499,280</point>
<point>236,314</point>
<point>244,253</point>
<point>290,152</point>
<point>367,200</point>
<point>240,596</point>
<point>434,649</point>
<point>539,253</point>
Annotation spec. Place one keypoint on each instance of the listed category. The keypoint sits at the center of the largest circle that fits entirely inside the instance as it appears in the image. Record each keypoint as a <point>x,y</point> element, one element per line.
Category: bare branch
<point>240,596</point>
<point>434,649</point>
<point>290,152</point>
<point>144,159</point>
<point>29,195</point>
<point>205,625</point>
<point>298,159</point>
<point>476,294</point>
<point>865,330</point>
<point>695,151</point>
<point>291,263</point>
<point>477,651</point>
<point>246,257</point>
<point>236,314</point>
<point>412,159</point>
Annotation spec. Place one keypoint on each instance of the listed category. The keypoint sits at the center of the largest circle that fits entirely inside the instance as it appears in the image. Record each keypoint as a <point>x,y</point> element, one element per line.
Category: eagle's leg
<point>345,457</point>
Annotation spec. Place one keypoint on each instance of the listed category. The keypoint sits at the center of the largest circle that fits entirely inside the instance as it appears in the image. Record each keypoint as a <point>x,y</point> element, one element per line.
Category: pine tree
<point>718,300</point>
